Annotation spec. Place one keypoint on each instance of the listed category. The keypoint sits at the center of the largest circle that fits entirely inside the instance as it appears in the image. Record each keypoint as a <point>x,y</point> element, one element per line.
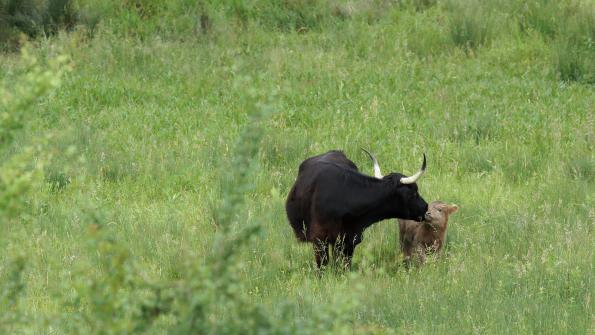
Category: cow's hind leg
<point>321,253</point>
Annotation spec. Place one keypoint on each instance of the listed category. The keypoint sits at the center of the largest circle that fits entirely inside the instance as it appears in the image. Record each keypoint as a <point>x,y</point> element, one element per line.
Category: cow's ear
<point>452,208</point>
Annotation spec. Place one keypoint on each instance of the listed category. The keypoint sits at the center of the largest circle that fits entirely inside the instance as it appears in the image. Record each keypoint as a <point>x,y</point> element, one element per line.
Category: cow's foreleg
<point>347,248</point>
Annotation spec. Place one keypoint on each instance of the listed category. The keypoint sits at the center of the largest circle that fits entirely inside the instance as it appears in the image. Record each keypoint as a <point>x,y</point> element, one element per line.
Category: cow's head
<point>409,204</point>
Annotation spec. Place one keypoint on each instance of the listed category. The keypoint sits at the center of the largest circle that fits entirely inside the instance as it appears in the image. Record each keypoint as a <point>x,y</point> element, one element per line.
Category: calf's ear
<point>452,208</point>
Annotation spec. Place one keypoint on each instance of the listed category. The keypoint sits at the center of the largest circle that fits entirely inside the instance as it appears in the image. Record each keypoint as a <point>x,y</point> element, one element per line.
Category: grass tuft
<point>470,24</point>
<point>574,48</point>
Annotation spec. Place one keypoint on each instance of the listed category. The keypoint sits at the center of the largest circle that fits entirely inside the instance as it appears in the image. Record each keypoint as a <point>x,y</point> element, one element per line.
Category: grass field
<point>170,143</point>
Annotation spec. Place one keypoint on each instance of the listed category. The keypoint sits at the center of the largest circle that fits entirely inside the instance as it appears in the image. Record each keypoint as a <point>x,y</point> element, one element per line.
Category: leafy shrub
<point>21,171</point>
<point>17,173</point>
<point>11,288</point>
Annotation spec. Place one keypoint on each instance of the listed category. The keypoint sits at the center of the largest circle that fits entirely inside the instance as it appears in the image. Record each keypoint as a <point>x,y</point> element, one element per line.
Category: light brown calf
<point>427,236</point>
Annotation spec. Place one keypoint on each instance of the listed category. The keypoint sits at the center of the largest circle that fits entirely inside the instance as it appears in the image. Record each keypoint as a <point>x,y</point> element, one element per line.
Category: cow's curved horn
<point>377,172</point>
<point>415,177</point>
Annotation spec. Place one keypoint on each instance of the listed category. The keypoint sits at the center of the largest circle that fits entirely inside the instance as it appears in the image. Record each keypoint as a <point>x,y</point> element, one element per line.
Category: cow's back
<point>299,201</point>
<point>336,157</point>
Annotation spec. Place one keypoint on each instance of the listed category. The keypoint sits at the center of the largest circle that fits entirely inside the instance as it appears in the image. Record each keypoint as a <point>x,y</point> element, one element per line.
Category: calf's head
<point>409,204</point>
<point>437,214</point>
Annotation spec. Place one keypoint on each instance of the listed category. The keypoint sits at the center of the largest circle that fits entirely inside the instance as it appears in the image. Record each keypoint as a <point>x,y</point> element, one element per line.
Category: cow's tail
<point>300,231</point>
<point>298,224</point>
<point>296,220</point>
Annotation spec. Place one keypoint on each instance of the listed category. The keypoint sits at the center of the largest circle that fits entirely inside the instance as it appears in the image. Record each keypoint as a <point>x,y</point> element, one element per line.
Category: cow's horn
<point>377,172</point>
<point>415,177</point>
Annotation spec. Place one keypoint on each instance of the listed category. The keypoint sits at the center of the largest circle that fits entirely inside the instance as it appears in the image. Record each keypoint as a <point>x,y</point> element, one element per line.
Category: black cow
<point>331,202</point>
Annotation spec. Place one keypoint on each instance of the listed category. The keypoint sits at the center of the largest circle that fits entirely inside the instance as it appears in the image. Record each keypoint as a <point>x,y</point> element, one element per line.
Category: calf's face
<point>428,236</point>
<point>437,214</point>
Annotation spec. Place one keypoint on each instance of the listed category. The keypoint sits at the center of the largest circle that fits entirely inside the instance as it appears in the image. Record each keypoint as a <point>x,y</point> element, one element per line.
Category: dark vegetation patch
<point>34,18</point>
<point>57,180</point>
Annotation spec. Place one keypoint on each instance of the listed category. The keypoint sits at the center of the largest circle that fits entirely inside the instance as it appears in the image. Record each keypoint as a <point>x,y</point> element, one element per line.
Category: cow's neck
<point>379,205</point>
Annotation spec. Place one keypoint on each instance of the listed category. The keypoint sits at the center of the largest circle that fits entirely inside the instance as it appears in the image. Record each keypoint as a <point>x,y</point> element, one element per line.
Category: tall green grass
<point>575,49</point>
<point>159,205</point>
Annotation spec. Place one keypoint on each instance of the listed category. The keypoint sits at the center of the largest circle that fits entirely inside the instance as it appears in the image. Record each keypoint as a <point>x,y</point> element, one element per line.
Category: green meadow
<point>147,147</point>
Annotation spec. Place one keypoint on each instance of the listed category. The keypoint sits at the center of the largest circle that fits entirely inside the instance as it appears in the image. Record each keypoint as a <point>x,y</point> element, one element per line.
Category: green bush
<point>12,287</point>
<point>17,98</point>
<point>20,170</point>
